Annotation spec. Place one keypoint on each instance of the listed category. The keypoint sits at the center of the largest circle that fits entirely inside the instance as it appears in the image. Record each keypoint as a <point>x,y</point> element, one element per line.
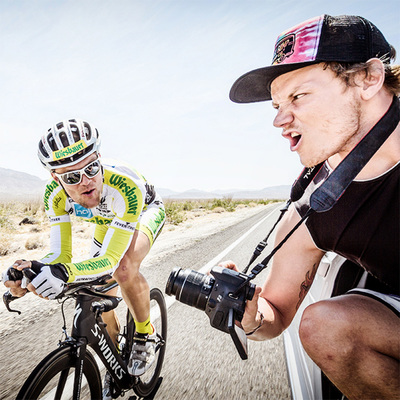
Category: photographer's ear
<point>372,82</point>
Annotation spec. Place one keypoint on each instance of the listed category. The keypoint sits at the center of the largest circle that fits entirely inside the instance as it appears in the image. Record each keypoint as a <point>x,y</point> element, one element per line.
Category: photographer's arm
<point>290,276</point>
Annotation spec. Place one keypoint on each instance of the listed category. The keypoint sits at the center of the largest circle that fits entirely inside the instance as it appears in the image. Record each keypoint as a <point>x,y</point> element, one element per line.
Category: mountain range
<point>22,186</point>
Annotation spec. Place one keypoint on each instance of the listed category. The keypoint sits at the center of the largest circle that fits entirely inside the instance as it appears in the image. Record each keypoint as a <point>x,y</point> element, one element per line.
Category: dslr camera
<point>222,295</point>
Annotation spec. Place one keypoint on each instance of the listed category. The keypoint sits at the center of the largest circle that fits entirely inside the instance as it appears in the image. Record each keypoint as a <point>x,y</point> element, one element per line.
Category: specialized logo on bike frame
<point>78,311</point>
<point>82,212</point>
<point>107,352</point>
<point>284,48</point>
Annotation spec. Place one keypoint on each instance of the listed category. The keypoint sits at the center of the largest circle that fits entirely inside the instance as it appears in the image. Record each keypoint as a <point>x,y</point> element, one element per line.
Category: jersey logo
<point>82,212</point>
<point>69,150</point>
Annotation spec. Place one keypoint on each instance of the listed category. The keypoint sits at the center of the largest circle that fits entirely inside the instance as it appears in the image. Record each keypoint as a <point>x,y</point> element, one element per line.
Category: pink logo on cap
<point>300,43</point>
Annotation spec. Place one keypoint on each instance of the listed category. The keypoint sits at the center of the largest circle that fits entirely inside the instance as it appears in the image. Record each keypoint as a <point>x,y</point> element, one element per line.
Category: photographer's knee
<point>310,326</point>
<point>325,333</point>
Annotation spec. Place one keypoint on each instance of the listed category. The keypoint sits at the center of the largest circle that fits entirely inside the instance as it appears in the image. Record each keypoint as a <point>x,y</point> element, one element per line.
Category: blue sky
<point>154,77</point>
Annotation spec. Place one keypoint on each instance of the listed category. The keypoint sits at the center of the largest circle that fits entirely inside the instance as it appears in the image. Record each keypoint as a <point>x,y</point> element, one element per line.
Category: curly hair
<point>347,72</point>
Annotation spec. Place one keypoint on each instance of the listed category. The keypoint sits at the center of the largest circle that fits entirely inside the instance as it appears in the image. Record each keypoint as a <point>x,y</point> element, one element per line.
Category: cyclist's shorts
<point>152,220</point>
<point>391,301</point>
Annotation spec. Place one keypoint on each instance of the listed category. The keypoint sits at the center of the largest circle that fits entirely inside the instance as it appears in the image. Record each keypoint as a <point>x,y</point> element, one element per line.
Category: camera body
<point>221,298</point>
<point>218,295</point>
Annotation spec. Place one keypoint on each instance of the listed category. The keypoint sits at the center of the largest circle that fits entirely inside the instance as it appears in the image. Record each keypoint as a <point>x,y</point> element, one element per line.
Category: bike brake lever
<point>7,299</point>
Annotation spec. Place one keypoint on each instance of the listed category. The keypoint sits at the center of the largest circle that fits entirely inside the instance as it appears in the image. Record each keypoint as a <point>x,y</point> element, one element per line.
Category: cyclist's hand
<point>50,280</point>
<point>13,279</point>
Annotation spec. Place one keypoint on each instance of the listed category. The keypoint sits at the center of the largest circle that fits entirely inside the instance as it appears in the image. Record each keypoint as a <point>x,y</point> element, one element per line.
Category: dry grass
<point>180,210</point>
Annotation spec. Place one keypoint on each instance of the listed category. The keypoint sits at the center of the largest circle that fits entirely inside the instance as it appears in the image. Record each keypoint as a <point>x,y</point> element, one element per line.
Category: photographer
<point>331,82</point>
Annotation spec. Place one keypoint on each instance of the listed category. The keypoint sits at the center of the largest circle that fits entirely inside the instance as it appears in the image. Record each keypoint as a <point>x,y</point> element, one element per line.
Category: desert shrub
<point>5,244</point>
<point>33,243</point>
<point>174,211</point>
<point>226,203</point>
<point>6,223</point>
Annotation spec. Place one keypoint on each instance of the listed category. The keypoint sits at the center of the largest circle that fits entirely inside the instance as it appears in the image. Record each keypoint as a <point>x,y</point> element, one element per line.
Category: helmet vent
<point>64,139</point>
<point>75,132</point>
<point>43,150</point>
<point>51,142</point>
<point>87,130</point>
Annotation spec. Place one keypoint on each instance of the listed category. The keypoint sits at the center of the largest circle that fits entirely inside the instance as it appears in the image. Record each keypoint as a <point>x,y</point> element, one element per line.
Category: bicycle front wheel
<point>53,378</point>
<point>158,317</point>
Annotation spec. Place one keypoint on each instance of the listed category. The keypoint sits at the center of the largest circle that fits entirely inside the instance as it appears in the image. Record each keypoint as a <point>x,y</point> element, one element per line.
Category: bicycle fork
<point>79,353</point>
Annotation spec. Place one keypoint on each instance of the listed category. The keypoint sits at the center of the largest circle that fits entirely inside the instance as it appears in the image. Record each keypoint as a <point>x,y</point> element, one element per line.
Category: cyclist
<point>128,214</point>
<point>330,82</point>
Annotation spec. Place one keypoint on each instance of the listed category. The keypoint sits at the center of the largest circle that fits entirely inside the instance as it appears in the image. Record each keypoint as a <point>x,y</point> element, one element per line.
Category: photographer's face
<point>87,193</point>
<point>318,114</point>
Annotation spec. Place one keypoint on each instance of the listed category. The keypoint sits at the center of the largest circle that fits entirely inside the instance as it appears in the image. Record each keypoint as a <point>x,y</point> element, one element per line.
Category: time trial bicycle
<point>72,371</point>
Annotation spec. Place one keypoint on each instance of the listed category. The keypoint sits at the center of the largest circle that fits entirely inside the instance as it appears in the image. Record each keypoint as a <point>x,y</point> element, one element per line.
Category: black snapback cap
<point>344,38</point>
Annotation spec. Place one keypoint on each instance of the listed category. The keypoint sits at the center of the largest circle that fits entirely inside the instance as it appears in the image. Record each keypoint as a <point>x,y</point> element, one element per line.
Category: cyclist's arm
<point>115,243</point>
<point>60,241</point>
<point>291,274</point>
<point>56,205</point>
<point>60,235</point>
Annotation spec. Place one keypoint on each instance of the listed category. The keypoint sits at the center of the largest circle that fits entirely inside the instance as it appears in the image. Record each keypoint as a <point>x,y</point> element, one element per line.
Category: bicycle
<point>73,365</point>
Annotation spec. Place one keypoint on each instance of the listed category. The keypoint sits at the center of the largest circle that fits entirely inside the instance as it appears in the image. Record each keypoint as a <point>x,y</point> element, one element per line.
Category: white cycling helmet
<point>67,143</point>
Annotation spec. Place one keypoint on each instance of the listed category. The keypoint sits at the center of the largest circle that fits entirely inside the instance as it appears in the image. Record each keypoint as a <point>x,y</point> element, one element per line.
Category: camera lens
<point>190,287</point>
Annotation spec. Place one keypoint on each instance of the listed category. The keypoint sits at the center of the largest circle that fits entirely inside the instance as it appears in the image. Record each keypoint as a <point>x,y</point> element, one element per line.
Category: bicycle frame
<point>89,330</point>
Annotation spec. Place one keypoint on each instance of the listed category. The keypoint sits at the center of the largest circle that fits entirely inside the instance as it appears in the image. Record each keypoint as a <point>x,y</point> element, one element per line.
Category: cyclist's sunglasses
<point>75,177</point>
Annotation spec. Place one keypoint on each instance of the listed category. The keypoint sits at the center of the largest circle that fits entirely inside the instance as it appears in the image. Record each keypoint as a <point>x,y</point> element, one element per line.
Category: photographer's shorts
<point>391,301</point>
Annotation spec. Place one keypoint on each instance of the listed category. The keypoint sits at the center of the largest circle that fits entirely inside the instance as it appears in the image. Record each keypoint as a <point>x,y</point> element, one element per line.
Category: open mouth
<point>294,139</point>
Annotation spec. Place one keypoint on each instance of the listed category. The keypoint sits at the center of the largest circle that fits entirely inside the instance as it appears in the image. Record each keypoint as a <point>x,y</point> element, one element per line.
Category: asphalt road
<point>201,362</point>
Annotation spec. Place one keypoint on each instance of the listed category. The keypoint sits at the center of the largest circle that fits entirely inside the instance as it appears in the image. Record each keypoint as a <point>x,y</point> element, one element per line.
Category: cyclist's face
<point>87,193</point>
<point>318,115</point>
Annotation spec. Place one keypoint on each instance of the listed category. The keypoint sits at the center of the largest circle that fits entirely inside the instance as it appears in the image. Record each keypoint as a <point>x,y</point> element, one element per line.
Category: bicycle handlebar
<point>70,289</point>
<point>105,305</point>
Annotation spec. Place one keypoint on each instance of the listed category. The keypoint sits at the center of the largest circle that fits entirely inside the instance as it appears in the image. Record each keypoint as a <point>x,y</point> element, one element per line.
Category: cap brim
<point>255,85</point>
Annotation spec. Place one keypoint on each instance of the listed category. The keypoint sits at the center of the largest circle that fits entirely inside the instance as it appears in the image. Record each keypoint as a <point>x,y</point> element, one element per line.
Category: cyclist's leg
<point>134,287</point>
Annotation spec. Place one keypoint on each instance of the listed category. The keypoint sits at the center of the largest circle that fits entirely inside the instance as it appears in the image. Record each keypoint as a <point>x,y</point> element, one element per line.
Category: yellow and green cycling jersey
<point>128,202</point>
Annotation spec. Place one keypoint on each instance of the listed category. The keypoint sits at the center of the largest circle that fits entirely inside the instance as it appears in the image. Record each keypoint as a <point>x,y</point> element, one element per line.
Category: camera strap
<point>326,196</point>
<point>263,244</point>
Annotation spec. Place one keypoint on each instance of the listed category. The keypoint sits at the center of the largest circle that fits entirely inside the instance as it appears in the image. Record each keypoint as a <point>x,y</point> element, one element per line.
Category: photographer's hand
<point>228,264</point>
<point>252,318</point>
